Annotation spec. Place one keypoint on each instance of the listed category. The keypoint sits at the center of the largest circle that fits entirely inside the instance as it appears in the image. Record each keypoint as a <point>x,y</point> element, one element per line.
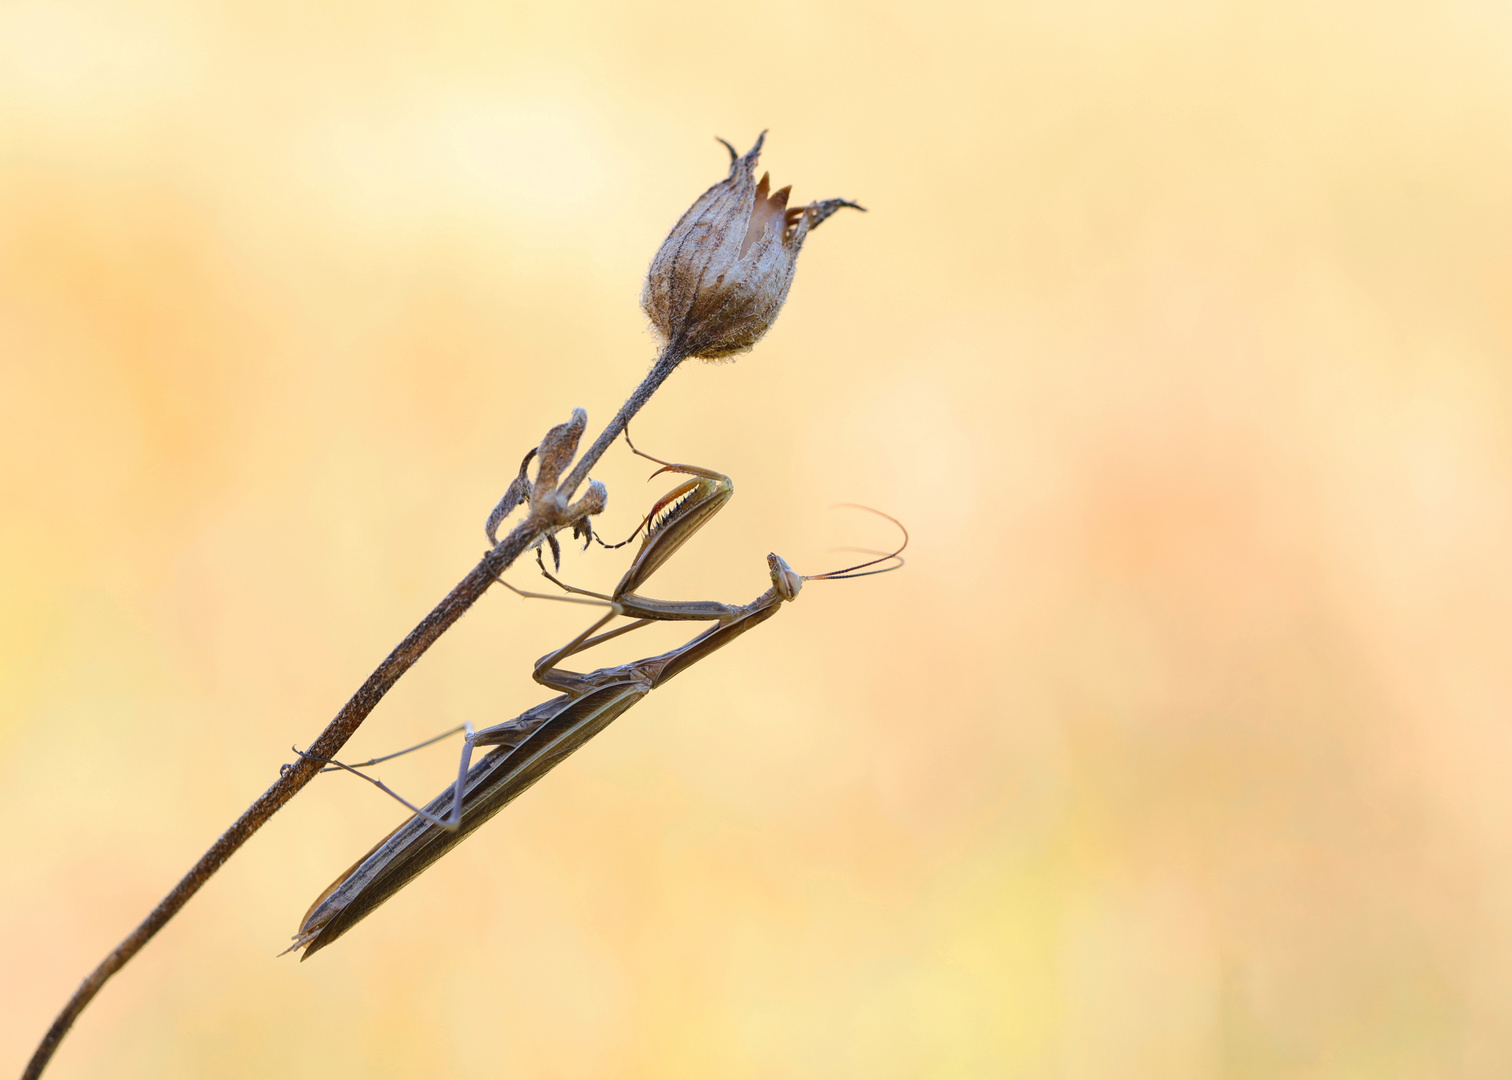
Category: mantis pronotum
<point>533,743</point>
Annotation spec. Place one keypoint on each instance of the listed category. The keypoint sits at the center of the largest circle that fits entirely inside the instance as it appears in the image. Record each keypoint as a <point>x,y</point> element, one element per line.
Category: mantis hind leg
<point>450,822</point>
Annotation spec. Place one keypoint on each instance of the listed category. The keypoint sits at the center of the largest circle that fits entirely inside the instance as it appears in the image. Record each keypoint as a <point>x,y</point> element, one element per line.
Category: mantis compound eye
<point>784,579</point>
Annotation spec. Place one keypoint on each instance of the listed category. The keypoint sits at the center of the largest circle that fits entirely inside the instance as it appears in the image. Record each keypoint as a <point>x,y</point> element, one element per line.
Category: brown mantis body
<point>533,743</point>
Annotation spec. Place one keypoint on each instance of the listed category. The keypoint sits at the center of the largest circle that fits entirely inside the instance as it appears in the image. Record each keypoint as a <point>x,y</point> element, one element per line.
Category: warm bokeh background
<point>1178,334</point>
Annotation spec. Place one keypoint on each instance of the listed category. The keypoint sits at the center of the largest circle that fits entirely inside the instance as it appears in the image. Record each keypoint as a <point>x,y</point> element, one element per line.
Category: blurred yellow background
<point>1177,333</point>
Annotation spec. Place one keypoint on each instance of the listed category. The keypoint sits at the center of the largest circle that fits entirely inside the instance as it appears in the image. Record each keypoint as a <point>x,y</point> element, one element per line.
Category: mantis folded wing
<point>536,741</point>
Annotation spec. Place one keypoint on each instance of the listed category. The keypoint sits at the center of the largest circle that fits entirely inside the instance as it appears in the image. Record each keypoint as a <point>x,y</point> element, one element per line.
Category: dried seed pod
<point>721,276</point>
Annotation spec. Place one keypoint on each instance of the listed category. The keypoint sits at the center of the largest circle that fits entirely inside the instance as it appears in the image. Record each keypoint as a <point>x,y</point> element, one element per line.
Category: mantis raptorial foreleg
<point>671,523</point>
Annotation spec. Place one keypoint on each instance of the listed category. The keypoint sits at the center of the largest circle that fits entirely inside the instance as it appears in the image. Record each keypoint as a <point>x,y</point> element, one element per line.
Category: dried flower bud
<point>722,274</point>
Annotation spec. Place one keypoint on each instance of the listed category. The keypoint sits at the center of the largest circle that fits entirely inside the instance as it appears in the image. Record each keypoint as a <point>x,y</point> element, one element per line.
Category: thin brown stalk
<point>537,525</point>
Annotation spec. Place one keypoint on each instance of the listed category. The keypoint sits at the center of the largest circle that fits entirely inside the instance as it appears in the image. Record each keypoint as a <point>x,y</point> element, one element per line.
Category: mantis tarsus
<point>530,745</point>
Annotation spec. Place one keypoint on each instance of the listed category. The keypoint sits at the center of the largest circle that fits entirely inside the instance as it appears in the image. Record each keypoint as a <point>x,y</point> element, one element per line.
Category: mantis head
<point>785,579</point>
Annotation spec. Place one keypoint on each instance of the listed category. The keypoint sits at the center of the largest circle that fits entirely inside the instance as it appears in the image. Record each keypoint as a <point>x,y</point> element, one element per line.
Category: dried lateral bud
<point>722,274</point>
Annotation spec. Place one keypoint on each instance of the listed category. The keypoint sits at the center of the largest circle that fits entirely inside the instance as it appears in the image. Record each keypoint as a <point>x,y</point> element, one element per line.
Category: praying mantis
<point>536,741</point>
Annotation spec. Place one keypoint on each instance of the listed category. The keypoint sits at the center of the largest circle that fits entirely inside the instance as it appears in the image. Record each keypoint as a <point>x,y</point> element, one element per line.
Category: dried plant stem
<point>352,714</point>
<point>664,366</point>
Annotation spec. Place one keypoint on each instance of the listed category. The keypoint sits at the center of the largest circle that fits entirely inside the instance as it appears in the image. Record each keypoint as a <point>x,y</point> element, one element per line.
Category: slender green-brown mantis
<point>529,746</point>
